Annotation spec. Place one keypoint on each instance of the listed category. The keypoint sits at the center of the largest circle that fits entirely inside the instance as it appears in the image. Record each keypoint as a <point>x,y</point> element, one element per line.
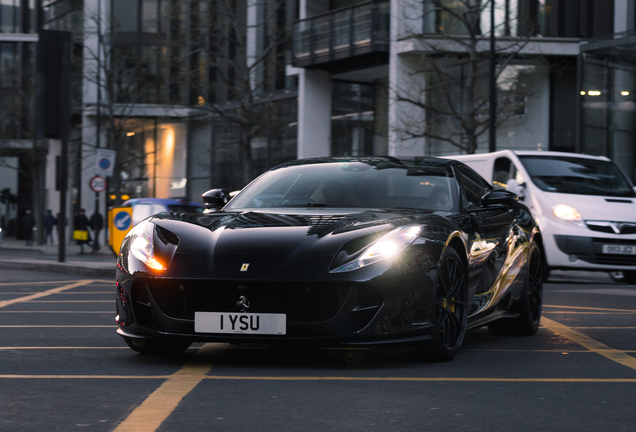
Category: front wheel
<point>449,314</point>
<point>157,347</point>
<point>530,301</point>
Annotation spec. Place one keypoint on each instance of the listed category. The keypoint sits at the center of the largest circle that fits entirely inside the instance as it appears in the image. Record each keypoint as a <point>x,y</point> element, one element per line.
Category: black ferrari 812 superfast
<point>364,252</point>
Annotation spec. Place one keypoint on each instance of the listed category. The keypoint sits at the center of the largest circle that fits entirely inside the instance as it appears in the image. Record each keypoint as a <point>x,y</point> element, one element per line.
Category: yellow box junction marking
<point>148,416</point>
<point>38,295</point>
<point>589,343</point>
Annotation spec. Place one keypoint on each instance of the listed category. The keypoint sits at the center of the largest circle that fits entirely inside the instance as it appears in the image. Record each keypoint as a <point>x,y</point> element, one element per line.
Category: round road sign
<point>98,184</point>
<point>122,221</point>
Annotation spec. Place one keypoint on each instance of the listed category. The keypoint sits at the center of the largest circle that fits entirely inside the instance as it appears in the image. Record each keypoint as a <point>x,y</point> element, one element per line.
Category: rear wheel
<point>530,301</point>
<point>157,347</point>
<point>449,314</point>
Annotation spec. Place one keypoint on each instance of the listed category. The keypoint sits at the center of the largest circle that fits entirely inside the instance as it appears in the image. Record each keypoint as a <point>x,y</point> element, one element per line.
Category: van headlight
<point>568,214</point>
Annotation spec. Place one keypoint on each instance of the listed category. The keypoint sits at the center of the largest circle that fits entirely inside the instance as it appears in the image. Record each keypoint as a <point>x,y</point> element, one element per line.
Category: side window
<point>504,171</point>
<point>501,173</point>
<point>473,187</point>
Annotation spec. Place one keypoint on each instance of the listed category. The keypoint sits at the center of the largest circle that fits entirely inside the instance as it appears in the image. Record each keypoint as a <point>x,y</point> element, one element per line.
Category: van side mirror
<point>516,188</point>
<point>215,199</point>
<point>499,199</point>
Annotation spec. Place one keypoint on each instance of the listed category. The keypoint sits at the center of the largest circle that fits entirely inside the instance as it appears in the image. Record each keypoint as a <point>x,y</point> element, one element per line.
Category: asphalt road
<point>63,368</point>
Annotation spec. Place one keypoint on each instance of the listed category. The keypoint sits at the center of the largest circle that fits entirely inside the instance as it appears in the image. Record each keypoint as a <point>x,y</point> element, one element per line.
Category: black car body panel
<point>283,261</point>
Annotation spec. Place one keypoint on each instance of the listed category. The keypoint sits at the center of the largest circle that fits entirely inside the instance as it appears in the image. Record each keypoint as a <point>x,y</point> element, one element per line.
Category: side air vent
<point>614,200</point>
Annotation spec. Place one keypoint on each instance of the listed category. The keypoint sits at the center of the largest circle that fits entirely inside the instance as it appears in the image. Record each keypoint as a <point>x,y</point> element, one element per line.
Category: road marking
<point>423,379</point>
<point>85,376</point>
<point>57,326</point>
<point>148,416</point>
<point>181,384</point>
<point>589,343</point>
<point>35,283</point>
<point>61,312</point>
<point>62,293</point>
<point>59,348</point>
<point>45,293</point>
<point>590,308</point>
<point>590,313</point>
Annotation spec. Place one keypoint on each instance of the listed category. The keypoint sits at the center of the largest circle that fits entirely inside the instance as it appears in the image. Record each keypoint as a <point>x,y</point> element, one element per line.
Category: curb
<point>44,266</point>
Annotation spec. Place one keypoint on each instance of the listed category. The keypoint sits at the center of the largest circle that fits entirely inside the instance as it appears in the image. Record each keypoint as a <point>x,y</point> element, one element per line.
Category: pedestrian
<point>80,230</point>
<point>27,225</point>
<point>49,222</point>
<point>97,224</point>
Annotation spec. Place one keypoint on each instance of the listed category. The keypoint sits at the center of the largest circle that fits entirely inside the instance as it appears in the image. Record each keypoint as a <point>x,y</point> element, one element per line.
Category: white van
<point>584,205</point>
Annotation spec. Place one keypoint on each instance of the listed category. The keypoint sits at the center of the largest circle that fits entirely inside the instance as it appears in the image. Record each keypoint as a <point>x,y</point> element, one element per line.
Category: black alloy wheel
<point>157,347</point>
<point>530,301</point>
<point>450,313</point>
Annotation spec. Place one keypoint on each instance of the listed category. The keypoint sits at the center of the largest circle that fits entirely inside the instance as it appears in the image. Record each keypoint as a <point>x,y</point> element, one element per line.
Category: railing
<point>342,33</point>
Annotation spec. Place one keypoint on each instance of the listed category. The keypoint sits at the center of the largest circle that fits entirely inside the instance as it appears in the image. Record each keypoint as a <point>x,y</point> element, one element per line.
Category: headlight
<point>568,214</point>
<point>385,247</point>
<point>142,245</point>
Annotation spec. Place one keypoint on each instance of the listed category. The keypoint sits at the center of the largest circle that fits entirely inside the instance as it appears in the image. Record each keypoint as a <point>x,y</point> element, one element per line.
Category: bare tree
<point>119,75</point>
<point>242,45</point>
<point>448,77</point>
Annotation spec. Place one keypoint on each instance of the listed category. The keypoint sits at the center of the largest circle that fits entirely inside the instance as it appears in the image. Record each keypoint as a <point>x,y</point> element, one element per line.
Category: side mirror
<point>516,188</point>
<point>499,199</point>
<point>215,199</point>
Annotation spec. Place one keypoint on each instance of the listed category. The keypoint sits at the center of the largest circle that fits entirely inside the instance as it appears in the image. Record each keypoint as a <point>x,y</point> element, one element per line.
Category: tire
<point>158,347</point>
<point>530,301</point>
<point>449,314</point>
<point>630,277</point>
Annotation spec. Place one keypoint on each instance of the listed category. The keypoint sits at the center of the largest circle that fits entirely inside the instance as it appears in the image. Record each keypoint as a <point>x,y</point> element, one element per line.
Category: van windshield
<point>580,176</point>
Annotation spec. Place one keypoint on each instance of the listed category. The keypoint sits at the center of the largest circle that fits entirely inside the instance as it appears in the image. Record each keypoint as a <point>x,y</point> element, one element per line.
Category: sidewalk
<point>16,255</point>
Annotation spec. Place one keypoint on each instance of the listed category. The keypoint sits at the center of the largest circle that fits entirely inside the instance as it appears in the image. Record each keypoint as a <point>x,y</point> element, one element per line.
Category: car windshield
<point>184,208</point>
<point>573,175</point>
<point>374,184</point>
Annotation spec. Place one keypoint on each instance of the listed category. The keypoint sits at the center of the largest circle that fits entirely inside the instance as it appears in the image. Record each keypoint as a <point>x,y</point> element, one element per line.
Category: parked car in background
<point>144,207</point>
<point>585,205</point>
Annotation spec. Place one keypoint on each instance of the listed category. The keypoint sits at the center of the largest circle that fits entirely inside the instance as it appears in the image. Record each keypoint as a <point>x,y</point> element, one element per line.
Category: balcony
<point>348,38</point>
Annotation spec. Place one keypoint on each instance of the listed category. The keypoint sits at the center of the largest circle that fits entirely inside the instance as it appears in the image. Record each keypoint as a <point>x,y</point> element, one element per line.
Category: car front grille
<point>302,303</point>
<point>613,259</point>
<point>612,227</point>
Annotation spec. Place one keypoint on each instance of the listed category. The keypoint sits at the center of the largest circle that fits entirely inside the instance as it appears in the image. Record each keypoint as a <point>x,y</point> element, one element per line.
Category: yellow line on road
<point>589,343</point>
<point>35,283</point>
<point>57,326</point>
<point>590,308</point>
<point>591,313</point>
<point>59,348</point>
<point>62,293</point>
<point>45,293</point>
<point>85,376</point>
<point>148,416</point>
<point>72,301</point>
<point>423,379</point>
<point>168,396</point>
<point>62,312</point>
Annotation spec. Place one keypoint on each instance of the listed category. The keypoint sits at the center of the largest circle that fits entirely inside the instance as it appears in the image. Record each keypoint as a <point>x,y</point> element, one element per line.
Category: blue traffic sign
<point>104,163</point>
<point>122,221</point>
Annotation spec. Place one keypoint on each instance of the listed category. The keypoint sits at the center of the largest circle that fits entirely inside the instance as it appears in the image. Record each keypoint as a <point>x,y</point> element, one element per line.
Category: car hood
<point>285,232</point>
<point>599,208</point>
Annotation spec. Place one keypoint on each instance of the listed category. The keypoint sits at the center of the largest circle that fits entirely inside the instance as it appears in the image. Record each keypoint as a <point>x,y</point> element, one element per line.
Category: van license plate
<point>619,249</point>
<point>240,323</point>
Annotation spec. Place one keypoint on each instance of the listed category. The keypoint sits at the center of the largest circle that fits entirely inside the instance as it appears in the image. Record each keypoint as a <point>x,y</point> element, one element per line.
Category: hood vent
<point>614,200</point>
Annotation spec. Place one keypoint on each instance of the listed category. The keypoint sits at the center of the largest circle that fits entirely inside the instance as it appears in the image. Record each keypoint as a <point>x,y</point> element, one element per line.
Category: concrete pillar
<point>404,119</point>
<point>314,113</point>
<point>623,14</point>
